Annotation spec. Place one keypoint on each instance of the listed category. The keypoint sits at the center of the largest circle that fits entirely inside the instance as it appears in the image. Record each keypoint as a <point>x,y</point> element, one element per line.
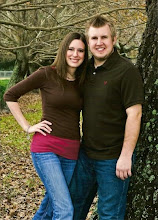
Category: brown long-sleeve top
<point>61,107</point>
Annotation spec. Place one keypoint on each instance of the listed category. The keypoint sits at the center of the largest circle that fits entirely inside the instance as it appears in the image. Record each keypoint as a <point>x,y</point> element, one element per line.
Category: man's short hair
<point>100,21</point>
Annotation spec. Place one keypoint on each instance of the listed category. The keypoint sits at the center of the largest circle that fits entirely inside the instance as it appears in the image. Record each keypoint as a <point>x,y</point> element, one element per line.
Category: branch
<point>41,6</point>
<point>14,48</point>
<point>130,39</point>
<point>6,35</point>
<point>35,62</point>
<point>13,4</point>
<point>64,26</point>
<point>120,29</point>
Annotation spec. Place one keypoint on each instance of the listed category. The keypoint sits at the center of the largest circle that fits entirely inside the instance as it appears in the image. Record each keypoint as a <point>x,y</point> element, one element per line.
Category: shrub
<point>3,85</point>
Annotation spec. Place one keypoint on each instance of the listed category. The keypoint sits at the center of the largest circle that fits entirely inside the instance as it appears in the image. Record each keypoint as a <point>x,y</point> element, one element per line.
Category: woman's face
<point>75,54</point>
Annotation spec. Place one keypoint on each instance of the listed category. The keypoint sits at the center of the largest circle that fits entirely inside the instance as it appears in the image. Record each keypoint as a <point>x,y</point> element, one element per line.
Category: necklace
<point>70,77</point>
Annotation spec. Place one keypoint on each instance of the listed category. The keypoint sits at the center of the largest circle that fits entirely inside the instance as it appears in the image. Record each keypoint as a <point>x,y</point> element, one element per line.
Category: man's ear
<point>114,41</point>
<point>87,39</point>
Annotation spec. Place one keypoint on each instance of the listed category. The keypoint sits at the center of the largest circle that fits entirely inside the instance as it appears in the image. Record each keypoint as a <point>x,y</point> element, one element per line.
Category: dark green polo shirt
<point>109,90</point>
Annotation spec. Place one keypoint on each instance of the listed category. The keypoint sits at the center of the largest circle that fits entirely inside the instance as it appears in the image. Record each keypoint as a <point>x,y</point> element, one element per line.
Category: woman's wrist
<point>27,131</point>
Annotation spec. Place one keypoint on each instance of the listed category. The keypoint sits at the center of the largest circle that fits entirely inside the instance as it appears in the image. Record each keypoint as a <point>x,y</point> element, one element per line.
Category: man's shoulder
<point>127,60</point>
<point>126,67</point>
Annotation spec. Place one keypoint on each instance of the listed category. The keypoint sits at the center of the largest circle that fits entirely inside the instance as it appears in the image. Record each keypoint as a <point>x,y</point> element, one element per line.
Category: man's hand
<point>123,167</point>
<point>132,128</point>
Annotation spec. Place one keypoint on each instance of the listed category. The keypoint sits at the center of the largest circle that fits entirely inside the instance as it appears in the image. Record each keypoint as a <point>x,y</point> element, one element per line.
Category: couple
<point>108,89</point>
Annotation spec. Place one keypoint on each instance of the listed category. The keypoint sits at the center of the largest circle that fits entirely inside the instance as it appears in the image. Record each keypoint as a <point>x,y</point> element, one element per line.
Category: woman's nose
<point>75,53</point>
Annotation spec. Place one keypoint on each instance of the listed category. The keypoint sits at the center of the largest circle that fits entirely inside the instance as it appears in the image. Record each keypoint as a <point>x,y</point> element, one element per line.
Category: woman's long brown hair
<point>60,61</point>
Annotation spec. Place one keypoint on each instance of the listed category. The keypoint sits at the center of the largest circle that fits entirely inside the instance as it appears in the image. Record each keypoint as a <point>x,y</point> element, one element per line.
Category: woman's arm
<point>42,127</point>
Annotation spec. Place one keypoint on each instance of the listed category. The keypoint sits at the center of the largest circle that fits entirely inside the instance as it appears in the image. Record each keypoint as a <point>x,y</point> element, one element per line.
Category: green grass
<point>3,85</point>
<point>4,82</point>
<point>12,135</point>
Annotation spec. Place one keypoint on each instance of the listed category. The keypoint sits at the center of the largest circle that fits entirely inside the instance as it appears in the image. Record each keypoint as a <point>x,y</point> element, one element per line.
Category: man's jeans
<point>98,175</point>
<point>55,173</point>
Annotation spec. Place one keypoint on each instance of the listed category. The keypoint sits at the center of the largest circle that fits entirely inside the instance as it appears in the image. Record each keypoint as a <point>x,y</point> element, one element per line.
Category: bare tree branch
<point>6,35</point>
<point>128,40</point>
<point>34,7</point>
<point>70,24</point>
<point>135,25</point>
<point>13,4</point>
<point>14,48</point>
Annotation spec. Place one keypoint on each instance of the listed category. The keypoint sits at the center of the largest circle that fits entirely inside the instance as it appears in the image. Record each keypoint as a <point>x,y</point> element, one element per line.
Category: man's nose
<point>99,41</point>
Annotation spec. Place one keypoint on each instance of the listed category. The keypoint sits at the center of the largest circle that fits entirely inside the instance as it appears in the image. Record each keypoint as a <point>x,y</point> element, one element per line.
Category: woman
<point>56,141</point>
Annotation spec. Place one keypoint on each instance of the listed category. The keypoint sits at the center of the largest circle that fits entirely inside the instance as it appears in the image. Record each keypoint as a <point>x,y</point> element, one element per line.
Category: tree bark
<point>143,192</point>
<point>21,67</point>
<point>142,198</point>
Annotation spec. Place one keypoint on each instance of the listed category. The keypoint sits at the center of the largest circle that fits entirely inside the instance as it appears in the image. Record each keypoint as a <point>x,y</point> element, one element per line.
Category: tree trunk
<point>143,192</point>
<point>20,68</point>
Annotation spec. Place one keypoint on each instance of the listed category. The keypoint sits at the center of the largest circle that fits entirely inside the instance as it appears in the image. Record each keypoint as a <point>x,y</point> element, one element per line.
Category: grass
<point>12,134</point>
<point>3,82</point>
<point>20,184</point>
<point>21,190</point>
<point>3,85</point>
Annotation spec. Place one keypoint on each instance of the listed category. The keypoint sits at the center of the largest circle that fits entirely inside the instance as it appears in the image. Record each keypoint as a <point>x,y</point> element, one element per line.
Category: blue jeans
<point>91,176</point>
<point>55,173</point>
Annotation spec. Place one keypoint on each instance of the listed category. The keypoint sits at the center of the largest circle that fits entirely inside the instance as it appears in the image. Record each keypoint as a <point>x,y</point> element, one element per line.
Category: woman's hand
<point>42,127</point>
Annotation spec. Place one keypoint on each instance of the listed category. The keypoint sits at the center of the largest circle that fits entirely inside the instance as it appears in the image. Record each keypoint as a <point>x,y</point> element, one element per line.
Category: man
<point>113,94</point>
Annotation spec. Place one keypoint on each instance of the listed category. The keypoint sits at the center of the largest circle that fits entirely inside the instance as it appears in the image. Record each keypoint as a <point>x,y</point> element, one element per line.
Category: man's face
<point>100,43</point>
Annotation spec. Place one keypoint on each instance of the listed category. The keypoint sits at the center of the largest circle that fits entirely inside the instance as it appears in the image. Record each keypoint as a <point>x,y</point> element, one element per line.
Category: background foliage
<point>31,31</point>
<point>3,85</point>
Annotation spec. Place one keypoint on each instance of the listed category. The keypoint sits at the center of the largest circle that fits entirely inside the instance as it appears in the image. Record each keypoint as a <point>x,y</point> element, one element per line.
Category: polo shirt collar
<point>109,62</point>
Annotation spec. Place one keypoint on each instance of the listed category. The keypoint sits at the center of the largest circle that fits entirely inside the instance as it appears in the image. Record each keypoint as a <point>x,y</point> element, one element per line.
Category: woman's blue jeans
<point>56,173</point>
<point>91,176</point>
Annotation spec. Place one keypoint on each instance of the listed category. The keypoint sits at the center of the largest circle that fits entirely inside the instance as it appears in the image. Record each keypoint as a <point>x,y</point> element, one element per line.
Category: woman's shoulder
<point>46,69</point>
<point>45,73</point>
<point>50,72</point>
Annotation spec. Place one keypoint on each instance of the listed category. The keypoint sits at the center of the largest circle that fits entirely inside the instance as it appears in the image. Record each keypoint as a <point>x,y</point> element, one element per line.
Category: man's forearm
<point>132,129</point>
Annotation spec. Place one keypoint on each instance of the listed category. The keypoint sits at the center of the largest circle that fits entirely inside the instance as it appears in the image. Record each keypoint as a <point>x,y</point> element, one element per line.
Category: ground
<point>21,191</point>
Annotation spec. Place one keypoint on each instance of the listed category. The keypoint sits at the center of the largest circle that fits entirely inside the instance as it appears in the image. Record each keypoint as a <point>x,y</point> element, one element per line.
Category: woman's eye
<point>70,49</point>
<point>80,50</point>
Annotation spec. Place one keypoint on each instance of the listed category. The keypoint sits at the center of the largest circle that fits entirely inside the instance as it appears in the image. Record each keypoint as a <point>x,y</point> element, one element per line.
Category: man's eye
<point>104,37</point>
<point>94,38</point>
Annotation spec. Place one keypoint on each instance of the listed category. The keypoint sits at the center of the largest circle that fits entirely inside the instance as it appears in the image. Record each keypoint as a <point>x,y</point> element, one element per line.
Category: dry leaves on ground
<point>21,191</point>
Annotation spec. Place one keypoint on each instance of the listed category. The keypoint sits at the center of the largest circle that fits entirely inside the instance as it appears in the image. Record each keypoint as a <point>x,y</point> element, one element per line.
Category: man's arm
<point>132,129</point>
